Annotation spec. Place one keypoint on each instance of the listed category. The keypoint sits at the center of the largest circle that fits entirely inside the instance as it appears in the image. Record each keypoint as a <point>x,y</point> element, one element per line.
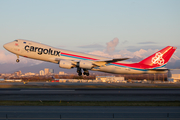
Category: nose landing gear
<point>17,60</point>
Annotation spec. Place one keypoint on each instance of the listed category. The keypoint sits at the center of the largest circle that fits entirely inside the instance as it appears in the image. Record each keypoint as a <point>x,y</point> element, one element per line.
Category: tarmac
<point>88,113</point>
<point>88,94</point>
<point>82,94</point>
<point>53,84</point>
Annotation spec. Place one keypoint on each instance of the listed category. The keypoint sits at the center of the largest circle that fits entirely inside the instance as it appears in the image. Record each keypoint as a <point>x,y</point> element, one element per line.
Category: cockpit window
<point>16,40</point>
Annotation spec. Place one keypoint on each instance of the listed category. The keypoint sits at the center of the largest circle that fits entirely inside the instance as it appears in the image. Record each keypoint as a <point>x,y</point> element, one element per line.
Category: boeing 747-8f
<point>70,59</point>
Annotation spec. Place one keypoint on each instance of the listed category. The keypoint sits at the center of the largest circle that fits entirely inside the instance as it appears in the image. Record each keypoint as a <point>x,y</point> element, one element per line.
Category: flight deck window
<point>16,40</point>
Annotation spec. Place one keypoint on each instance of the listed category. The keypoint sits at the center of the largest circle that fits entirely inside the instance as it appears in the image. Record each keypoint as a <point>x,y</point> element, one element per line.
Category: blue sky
<point>87,25</point>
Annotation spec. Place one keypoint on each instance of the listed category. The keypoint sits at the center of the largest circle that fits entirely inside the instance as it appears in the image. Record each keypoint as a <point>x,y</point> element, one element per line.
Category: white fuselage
<point>47,53</point>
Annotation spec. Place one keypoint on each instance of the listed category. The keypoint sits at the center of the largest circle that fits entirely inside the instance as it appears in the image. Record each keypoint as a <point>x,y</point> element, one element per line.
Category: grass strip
<point>89,103</point>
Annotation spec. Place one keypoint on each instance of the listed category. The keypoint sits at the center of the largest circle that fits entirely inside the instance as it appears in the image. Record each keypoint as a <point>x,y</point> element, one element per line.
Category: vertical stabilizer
<point>159,58</point>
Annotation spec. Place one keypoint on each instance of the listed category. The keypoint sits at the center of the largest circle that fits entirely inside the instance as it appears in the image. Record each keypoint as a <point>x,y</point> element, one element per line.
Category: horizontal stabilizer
<point>161,69</point>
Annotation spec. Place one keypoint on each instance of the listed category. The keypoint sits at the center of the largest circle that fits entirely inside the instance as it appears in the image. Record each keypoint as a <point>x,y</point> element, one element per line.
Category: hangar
<point>110,79</point>
<point>174,75</point>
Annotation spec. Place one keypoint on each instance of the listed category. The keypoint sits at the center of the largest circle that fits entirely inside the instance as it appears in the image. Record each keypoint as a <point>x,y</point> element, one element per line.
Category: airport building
<point>46,71</point>
<point>174,75</point>
<point>51,71</point>
<point>99,79</point>
<point>62,73</point>
<point>110,79</point>
<point>18,73</point>
<point>13,80</point>
<point>41,72</point>
<point>30,74</point>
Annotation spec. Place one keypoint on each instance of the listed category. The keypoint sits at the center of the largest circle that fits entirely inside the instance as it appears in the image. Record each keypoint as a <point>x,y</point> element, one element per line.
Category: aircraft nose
<point>6,46</point>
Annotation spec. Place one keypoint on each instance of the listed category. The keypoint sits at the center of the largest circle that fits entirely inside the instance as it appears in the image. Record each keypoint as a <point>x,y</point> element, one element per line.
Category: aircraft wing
<point>104,62</point>
<point>95,62</point>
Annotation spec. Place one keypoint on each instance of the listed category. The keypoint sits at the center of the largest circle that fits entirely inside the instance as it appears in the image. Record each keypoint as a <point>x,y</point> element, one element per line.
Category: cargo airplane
<point>70,59</point>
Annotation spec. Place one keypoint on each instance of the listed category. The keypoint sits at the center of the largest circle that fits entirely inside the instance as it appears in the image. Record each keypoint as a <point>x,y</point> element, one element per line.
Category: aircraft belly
<point>156,72</point>
<point>118,70</point>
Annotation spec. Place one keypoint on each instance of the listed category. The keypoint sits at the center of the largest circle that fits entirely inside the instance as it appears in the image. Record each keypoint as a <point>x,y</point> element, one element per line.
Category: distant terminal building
<point>51,71</point>
<point>13,80</point>
<point>46,71</point>
<point>174,75</point>
<point>30,74</point>
<point>110,79</point>
<point>41,72</point>
<point>18,73</point>
<point>61,73</point>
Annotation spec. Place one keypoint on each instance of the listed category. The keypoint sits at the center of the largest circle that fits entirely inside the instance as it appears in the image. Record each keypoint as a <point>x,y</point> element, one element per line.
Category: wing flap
<point>104,62</point>
<point>112,60</point>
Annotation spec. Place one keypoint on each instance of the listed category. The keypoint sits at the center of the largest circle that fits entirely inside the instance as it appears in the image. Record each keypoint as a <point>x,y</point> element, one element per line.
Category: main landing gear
<point>17,60</point>
<point>79,71</point>
<point>86,72</point>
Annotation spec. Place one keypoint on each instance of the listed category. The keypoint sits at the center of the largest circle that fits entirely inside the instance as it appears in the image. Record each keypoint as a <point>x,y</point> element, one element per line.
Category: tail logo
<point>158,59</point>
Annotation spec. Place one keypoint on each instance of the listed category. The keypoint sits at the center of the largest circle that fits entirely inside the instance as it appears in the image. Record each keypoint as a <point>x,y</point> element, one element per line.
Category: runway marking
<point>19,112</point>
<point>91,118</point>
<point>94,118</point>
<point>51,90</point>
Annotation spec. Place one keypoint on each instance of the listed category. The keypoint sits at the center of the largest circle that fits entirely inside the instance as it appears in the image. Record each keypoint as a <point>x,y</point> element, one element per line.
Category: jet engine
<point>85,64</point>
<point>65,64</point>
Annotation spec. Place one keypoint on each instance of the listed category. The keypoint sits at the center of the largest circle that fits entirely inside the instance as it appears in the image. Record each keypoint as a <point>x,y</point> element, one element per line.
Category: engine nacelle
<point>65,64</point>
<point>85,64</point>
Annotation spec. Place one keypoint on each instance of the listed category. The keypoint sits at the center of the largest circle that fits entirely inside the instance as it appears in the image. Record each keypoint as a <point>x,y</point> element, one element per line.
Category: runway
<point>88,113</point>
<point>50,94</point>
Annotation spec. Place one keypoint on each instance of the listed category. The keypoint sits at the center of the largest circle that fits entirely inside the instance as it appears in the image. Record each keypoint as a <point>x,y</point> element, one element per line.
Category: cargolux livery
<point>70,59</point>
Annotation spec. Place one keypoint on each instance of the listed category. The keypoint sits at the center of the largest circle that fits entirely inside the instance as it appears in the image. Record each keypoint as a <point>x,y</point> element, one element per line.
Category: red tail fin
<point>159,58</point>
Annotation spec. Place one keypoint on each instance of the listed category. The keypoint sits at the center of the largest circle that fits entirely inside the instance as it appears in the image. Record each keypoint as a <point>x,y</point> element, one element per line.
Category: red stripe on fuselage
<point>133,65</point>
<point>78,56</point>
